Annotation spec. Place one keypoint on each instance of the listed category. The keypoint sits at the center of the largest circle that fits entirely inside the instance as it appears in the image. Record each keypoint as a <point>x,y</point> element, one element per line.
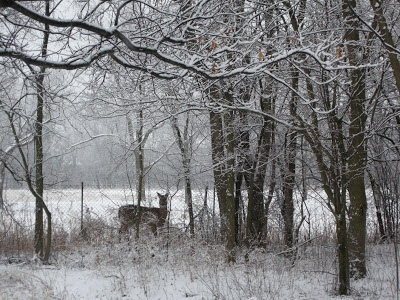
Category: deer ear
<point>158,194</point>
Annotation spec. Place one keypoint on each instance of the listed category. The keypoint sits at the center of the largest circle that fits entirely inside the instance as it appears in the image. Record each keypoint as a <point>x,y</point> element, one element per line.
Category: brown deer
<point>154,217</point>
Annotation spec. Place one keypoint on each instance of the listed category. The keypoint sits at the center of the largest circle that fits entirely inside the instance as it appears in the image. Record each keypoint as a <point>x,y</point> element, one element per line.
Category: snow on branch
<point>66,65</point>
<point>168,44</point>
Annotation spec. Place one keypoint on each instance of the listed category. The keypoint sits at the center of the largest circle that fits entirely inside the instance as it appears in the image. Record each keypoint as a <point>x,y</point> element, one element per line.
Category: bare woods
<point>271,103</point>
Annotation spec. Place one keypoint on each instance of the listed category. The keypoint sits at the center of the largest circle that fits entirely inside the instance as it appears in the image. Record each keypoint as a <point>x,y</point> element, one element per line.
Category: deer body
<point>154,217</point>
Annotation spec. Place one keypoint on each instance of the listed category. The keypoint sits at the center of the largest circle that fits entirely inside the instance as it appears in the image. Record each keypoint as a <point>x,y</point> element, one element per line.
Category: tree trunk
<point>242,166</point>
<point>219,168</point>
<point>256,209</point>
<point>289,184</point>
<point>238,200</point>
<point>139,165</point>
<point>183,145</point>
<point>137,140</point>
<point>39,165</point>
<point>341,232</point>
<point>376,5</point>
<point>2,183</point>
<point>230,181</point>
<point>378,207</point>
<point>290,167</point>
<point>38,140</point>
<point>32,189</point>
<point>357,149</point>
<point>271,190</point>
<point>333,178</point>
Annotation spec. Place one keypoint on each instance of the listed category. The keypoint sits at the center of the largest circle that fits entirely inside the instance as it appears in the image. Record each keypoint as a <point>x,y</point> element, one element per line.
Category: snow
<point>190,270</point>
<point>172,266</point>
<point>65,205</point>
<point>100,207</point>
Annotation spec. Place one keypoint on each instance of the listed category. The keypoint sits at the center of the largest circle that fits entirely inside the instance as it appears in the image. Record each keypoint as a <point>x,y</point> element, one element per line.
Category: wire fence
<point>93,211</point>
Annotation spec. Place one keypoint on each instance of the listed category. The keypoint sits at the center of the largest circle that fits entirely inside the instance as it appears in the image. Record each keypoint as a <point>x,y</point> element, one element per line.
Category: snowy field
<point>193,272</point>
<point>65,206</point>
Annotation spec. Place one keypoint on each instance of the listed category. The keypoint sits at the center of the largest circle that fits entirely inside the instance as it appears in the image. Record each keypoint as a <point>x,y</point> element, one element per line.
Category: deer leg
<point>153,228</point>
<point>123,230</point>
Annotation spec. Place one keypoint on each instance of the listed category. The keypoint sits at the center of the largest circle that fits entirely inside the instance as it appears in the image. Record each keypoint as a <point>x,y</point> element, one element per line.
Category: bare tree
<point>183,141</point>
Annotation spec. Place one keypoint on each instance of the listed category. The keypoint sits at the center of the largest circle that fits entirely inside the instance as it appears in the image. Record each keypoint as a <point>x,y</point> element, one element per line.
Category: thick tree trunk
<point>290,168</point>
<point>357,150</point>
<point>255,213</point>
<point>223,158</point>
<point>39,174</point>
<point>39,166</point>
<point>356,188</point>
<point>357,216</point>
<point>256,207</point>
<point>219,168</point>
<point>242,168</point>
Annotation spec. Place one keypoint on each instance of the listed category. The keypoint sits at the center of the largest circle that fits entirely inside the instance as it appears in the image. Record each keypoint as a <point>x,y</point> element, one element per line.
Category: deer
<point>154,217</point>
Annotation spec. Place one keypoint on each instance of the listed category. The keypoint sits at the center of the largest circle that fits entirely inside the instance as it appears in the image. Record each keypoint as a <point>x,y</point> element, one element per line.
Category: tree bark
<point>2,183</point>
<point>256,208</point>
<point>219,168</point>
<point>378,207</point>
<point>342,238</point>
<point>183,145</point>
<point>38,141</point>
<point>139,166</point>
<point>230,181</point>
<point>376,6</point>
<point>289,184</point>
<point>357,149</point>
<point>39,167</point>
<point>138,140</point>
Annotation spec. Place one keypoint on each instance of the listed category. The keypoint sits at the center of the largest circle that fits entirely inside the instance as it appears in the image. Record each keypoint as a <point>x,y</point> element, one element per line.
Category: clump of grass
<point>16,239</point>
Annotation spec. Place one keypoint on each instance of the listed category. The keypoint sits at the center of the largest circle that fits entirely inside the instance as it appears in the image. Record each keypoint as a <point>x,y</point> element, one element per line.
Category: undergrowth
<point>158,267</point>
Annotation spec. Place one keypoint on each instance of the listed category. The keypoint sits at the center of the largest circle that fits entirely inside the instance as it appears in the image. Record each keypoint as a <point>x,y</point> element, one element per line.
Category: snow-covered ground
<point>193,271</point>
<point>176,267</point>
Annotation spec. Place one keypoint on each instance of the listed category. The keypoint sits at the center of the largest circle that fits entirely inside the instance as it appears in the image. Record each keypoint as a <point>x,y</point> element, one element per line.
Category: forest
<point>251,114</point>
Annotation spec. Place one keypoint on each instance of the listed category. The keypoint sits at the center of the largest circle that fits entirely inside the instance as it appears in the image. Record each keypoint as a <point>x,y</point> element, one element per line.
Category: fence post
<point>82,207</point>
